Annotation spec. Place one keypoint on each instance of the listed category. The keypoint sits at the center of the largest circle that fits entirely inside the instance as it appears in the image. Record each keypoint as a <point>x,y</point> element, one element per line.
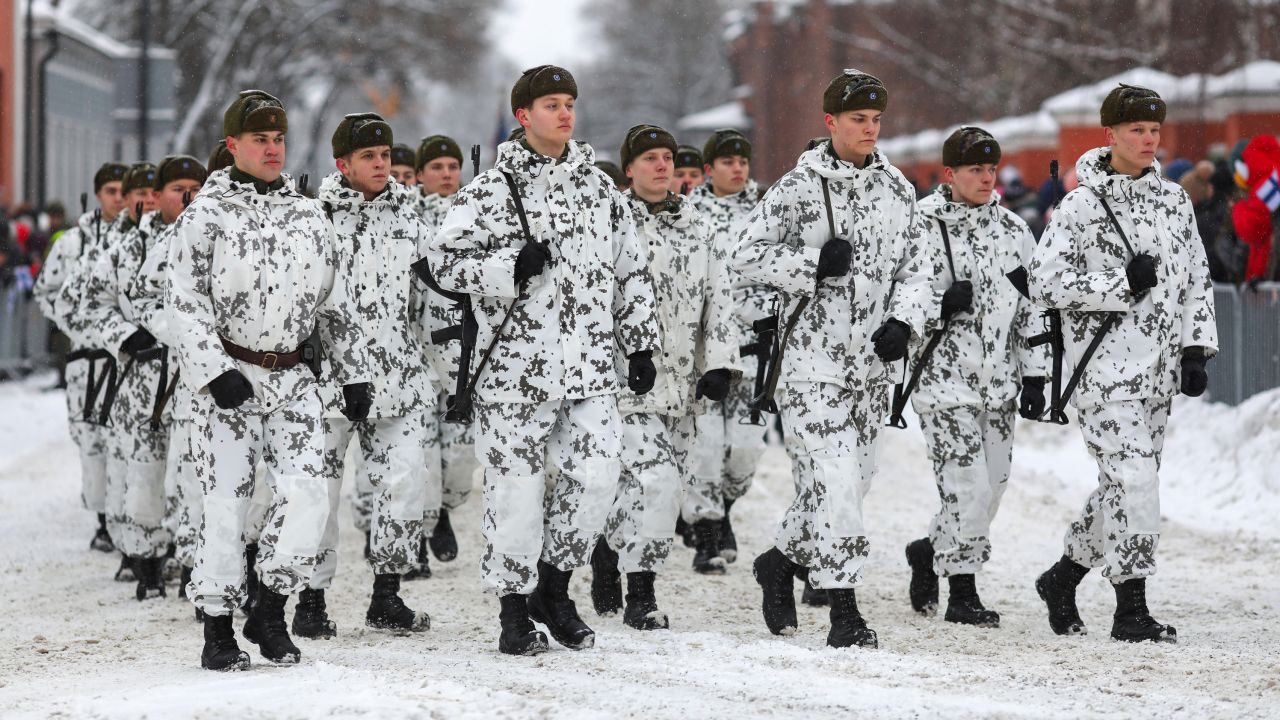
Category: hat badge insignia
<point>871,95</point>
<point>653,135</point>
<point>1153,106</point>
<point>556,77</point>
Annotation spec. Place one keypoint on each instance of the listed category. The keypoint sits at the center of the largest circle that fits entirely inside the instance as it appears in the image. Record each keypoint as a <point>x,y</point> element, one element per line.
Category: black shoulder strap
<point>826,199</point>
<point>1116,223</point>
<point>946,244</point>
<point>515,195</point>
<point>328,210</point>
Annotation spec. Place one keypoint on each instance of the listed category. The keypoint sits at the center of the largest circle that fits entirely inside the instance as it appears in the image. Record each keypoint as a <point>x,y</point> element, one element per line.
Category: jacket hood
<point>335,192</point>
<point>221,187</point>
<point>748,197</point>
<point>515,158</point>
<point>938,204</point>
<point>679,215</point>
<point>1093,169</point>
<point>822,161</point>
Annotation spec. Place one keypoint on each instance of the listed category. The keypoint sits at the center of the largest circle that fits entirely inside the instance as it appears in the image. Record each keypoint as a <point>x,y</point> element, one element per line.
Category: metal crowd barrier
<point>24,332</point>
<point>1248,360</point>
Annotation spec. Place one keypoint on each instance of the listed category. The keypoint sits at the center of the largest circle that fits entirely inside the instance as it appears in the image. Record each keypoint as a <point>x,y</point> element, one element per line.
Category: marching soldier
<point>402,169</point>
<point>688,173</point>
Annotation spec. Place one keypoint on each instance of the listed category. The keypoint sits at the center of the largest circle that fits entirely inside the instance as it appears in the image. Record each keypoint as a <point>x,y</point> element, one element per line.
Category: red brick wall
<point>9,102</point>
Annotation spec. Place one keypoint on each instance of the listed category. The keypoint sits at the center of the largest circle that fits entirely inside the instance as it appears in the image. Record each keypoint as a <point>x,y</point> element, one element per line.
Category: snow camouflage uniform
<point>548,391</point>
<point>1124,395</point>
<point>135,504</point>
<point>695,317</point>
<point>729,447</point>
<point>260,270</point>
<point>72,255</point>
<point>378,239</point>
<point>967,395</point>
<point>834,389</point>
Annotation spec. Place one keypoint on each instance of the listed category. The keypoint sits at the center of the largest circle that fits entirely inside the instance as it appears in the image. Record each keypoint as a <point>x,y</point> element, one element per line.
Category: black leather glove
<point>1194,377</point>
<point>714,385</point>
<point>138,341</point>
<point>957,299</point>
<point>1031,404</point>
<point>834,259</point>
<point>531,261</point>
<point>1021,281</point>
<point>891,340</point>
<point>230,389</point>
<point>358,398</point>
<point>640,372</point>
<point>1142,273</point>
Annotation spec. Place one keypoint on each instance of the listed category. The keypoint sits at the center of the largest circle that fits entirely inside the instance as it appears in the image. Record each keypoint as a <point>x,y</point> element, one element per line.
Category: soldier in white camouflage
<point>558,258</point>
<point>698,359</point>
<point>402,170</point>
<point>379,236</point>
<point>1123,261</point>
<point>730,445</point>
<point>77,248</point>
<point>253,268</point>
<point>968,392</point>
<point>688,174</point>
<point>840,237</point>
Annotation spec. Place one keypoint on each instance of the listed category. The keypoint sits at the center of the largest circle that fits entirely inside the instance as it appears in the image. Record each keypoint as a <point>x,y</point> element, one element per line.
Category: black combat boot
<point>1132,621</point>
<point>266,628</point>
<point>728,541</point>
<point>550,605</point>
<point>251,581</point>
<point>642,607</point>
<point>150,572</point>
<point>606,581</point>
<point>775,572</point>
<point>101,538</point>
<point>706,556</point>
<point>126,572</point>
<point>220,649</point>
<point>965,607</point>
<point>172,569</point>
<point>924,581</point>
<point>387,610</point>
<point>810,595</point>
<point>311,616</point>
<point>444,544</point>
<point>422,570</point>
<point>685,531</point>
<point>519,636</point>
<point>1057,588</point>
<point>847,626</point>
<point>183,580</point>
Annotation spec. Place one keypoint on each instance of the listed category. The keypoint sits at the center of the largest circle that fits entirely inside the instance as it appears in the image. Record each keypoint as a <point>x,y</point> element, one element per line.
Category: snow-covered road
<point>75,644</point>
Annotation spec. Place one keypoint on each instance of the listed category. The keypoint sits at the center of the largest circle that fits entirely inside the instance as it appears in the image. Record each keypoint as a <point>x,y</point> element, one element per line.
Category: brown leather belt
<point>264,360</point>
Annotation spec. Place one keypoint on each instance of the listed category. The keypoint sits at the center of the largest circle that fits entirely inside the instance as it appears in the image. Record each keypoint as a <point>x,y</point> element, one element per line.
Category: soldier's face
<point>171,198</point>
<point>403,174</point>
<point>111,199</point>
<point>971,184</point>
<point>440,176</point>
<point>729,175</point>
<point>550,118</point>
<point>650,173</point>
<point>690,176</point>
<point>144,197</point>
<point>854,133</point>
<point>368,170</point>
<point>1133,145</point>
<point>261,154</point>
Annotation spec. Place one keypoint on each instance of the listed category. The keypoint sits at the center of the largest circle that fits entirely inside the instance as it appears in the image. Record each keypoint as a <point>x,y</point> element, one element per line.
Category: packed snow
<point>77,644</point>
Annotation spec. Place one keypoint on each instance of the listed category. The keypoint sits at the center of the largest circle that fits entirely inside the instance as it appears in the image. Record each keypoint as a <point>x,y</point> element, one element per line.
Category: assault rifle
<point>765,329</point>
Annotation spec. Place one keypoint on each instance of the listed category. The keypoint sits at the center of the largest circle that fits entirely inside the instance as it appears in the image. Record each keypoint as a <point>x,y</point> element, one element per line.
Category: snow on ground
<point>75,644</point>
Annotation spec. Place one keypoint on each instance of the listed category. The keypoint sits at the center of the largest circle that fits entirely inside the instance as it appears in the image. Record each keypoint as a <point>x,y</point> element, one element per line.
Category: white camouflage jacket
<point>150,304</point>
<point>66,304</point>
<point>595,290</point>
<point>874,208</point>
<point>261,271</point>
<point>379,239</point>
<point>434,312</point>
<point>984,354</point>
<point>694,307</point>
<point>725,218</point>
<point>76,247</point>
<point>1079,267</point>
<point>111,300</point>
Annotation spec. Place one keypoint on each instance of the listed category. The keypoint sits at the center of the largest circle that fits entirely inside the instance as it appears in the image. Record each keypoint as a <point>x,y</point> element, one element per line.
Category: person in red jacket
<point>1258,172</point>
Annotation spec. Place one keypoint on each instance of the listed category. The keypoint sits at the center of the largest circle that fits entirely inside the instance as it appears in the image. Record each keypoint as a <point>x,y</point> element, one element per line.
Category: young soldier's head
<point>362,151</point>
<point>439,165</point>
<point>108,187</point>
<point>402,170</point>
<point>970,157</point>
<point>726,161</point>
<point>852,105</point>
<point>139,190</point>
<point>648,158</point>
<point>543,102</point>
<point>688,169</point>
<point>220,158</point>
<point>1131,119</point>
<point>178,179</point>
<point>254,125</point>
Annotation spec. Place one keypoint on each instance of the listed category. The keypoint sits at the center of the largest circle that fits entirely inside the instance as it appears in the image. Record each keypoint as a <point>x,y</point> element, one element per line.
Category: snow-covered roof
<point>729,115</point>
<point>58,17</point>
<point>1087,98</point>
<point>1257,78</point>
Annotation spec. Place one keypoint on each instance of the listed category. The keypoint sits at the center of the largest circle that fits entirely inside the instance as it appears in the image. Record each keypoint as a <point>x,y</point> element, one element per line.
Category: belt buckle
<point>274,358</point>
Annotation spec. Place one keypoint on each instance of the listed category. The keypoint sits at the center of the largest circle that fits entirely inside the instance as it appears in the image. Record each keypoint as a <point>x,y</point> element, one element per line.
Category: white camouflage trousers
<point>1119,527</point>
<point>392,454</point>
<point>226,448</point>
<point>522,522</point>
<point>728,450</point>
<point>971,450</point>
<point>834,434</point>
<point>135,499</point>
<point>655,454</point>
<point>90,439</point>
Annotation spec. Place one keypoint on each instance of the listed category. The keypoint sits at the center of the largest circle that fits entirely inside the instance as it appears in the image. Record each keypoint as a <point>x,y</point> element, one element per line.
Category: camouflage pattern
<point>595,287</point>
<point>432,208</point>
<point>393,451</point>
<point>1079,267</point>
<point>1119,527</point>
<point>984,353</point>
<point>971,449</point>
<point>655,455</point>
<point>458,462</point>
<point>515,442</point>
